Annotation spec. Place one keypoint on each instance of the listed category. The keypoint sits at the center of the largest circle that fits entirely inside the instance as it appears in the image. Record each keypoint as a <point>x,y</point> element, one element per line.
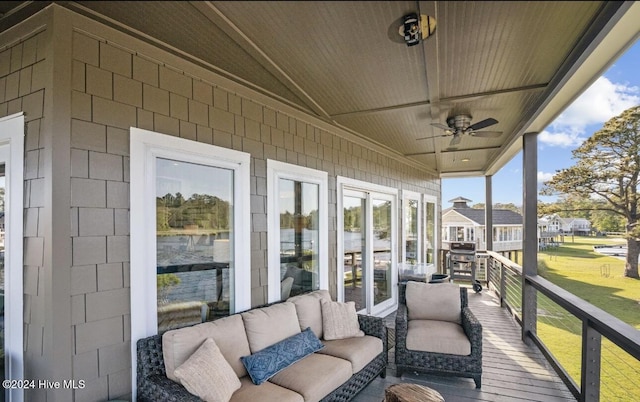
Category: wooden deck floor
<point>511,370</point>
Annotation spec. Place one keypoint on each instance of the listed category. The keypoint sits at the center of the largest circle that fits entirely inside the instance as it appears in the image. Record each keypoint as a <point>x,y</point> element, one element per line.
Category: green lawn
<point>598,279</point>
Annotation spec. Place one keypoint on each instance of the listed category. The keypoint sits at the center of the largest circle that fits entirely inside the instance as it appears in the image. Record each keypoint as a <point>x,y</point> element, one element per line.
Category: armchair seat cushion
<point>315,376</point>
<point>359,350</point>
<point>437,337</point>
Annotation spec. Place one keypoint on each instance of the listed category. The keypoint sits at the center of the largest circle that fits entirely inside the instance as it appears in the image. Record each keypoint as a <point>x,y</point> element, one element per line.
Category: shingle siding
<point>112,89</point>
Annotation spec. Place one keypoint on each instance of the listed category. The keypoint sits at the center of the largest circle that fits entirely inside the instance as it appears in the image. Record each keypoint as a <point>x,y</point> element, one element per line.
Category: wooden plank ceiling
<point>345,63</point>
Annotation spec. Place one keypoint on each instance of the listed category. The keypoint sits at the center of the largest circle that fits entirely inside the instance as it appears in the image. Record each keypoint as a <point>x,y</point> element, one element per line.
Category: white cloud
<point>561,139</point>
<point>599,103</point>
<point>544,177</point>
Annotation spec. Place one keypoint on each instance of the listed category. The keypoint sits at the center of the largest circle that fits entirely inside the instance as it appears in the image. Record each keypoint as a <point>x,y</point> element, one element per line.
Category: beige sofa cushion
<point>437,336</point>
<point>207,374</point>
<point>309,310</point>
<point>268,325</point>
<point>358,351</point>
<point>438,301</point>
<point>265,392</point>
<point>228,333</point>
<point>315,376</point>
<point>340,320</point>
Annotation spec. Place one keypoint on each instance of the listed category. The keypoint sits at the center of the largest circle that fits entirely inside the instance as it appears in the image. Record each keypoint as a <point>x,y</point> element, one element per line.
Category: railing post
<point>590,372</point>
<point>503,284</point>
<point>530,243</point>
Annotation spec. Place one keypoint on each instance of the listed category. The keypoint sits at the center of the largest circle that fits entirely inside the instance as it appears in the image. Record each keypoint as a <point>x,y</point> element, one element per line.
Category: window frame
<point>12,142</point>
<point>145,147</point>
<point>277,170</point>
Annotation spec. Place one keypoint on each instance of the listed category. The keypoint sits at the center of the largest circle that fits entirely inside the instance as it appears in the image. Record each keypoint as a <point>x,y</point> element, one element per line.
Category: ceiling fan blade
<point>455,140</point>
<point>487,134</point>
<point>482,124</point>
<point>441,126</point>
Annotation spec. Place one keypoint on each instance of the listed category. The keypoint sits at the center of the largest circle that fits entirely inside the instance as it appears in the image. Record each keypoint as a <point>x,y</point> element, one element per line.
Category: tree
<point>607,170</point>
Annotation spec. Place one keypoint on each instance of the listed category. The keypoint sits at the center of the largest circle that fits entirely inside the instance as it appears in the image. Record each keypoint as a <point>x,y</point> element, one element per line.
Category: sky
<point>615,91</point>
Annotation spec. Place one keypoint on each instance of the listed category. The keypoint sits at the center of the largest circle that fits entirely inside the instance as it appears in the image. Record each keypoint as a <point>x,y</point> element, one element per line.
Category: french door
<point>367,249</point>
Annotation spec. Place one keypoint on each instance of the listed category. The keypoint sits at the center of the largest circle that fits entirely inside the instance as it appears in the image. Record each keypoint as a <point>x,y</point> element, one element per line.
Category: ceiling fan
<point>461,124</point>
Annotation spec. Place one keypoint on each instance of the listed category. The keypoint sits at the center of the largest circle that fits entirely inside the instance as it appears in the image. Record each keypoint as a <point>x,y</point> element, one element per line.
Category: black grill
<point>461,260</point>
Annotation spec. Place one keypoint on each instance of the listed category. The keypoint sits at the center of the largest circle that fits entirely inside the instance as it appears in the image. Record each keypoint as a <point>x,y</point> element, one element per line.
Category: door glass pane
<point>354,251</point>
<point>430,232</point>
<point>381,250</point>
<point>194,233</point>
<point>299,234</point>
<point>411,231</point>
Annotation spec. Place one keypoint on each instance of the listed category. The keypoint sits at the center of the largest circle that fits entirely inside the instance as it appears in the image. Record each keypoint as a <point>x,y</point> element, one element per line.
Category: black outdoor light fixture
<point>417,27</point>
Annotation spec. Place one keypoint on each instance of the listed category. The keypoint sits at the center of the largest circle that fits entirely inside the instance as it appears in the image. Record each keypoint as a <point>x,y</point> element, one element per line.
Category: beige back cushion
<point>309,310</point>
<point>268,325</point>
<point>340,320</point>
<point>228,333</point>
<point>437,301</point>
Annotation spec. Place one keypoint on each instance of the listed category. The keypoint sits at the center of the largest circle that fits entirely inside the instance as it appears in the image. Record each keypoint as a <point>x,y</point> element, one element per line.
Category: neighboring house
<point>551,229</point>
<point>578,226</point>
<point>462,223</point>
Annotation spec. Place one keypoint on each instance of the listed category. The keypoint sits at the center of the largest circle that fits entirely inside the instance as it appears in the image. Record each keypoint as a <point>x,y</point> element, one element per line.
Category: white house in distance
<point>461,223</point>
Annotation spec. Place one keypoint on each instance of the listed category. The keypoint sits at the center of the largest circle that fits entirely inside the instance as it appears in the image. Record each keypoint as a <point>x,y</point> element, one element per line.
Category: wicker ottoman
<point>405,392</point>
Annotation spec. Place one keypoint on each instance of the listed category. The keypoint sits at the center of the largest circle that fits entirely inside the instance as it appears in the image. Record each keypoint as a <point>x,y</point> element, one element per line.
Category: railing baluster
<point>591,355</point>
<point>503,285</point>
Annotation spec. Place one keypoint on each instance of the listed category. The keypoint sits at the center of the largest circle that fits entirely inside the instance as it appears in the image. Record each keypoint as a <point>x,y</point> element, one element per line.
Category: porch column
<point>488,213</point>
<point>530,241</point>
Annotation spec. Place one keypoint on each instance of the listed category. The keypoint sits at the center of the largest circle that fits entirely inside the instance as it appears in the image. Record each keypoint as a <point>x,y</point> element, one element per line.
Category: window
<point>11,258</point>
<point>190,239</point>
<point>297,227</point>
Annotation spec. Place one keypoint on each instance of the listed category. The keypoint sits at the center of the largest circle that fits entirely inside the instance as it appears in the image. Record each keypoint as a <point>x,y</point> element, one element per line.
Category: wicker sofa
<point>320,376</point>
<point>450,343</point>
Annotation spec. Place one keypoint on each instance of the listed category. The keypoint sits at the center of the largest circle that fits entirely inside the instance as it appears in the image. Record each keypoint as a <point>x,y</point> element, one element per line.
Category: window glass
<point>194,242</point>
<point>381,250</point>
<point>299,235</point>
<point>411,231</point>
<point>355,247</point>
<point>430,232</point>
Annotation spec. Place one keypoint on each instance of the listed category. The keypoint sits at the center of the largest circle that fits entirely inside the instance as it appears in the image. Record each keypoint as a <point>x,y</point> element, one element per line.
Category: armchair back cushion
<point>228,333</point>
<point>268,325</point>
<point>437,301</point>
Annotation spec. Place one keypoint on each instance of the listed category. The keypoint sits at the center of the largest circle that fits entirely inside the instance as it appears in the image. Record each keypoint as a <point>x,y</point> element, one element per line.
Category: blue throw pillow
<point>271,360</point>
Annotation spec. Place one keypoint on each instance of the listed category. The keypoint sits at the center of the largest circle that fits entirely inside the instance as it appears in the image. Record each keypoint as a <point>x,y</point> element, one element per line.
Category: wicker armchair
<point>440,363</point>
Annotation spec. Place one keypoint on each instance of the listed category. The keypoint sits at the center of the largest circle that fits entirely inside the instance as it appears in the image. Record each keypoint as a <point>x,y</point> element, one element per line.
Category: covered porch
<point>116,97</point>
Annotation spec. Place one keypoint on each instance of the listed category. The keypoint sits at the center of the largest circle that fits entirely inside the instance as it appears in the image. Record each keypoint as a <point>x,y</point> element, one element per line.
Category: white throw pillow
<point>339,320</point>
<point>208,375</point>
